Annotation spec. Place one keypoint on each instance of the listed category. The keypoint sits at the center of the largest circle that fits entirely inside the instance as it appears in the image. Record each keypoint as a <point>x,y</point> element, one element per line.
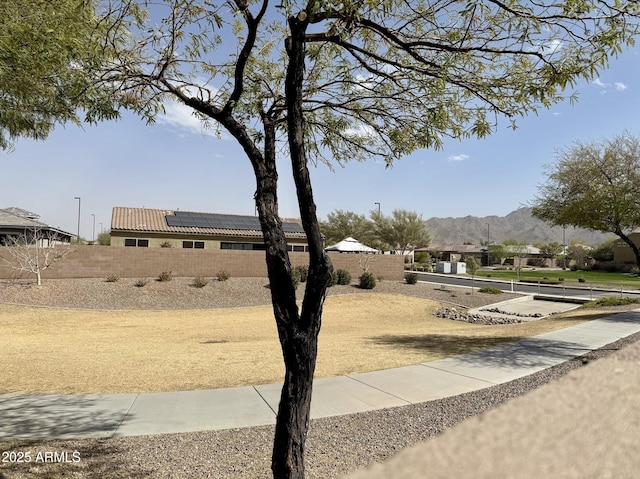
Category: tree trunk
<point>299,340</point>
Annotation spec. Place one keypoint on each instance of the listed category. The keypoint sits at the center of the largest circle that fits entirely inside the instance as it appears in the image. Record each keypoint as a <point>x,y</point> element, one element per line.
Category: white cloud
<point>619,86</point>
<point>455,158</point>
<point>181,116</point>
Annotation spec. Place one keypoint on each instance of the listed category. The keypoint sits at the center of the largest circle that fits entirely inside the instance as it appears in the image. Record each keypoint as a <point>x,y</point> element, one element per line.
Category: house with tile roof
<point>155,228</point>
<point>16,222</point>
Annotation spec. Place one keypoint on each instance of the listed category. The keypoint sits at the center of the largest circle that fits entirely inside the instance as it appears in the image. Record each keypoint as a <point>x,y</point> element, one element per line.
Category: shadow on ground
<point>516,352</point>
<point>26,418</point>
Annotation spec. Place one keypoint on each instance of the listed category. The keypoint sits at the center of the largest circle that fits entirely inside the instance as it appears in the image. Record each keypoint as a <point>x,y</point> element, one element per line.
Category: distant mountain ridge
<point>519,225</point>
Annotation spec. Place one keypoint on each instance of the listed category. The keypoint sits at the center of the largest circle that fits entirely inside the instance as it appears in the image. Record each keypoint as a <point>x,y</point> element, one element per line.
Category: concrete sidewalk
<point>82,416</point>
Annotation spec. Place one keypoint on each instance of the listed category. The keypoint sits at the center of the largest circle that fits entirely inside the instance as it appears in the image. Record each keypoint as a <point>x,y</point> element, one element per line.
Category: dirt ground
<point>85,351</point>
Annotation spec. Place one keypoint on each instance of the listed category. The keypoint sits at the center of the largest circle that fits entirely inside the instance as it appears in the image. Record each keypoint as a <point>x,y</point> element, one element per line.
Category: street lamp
<point>93,234</point>
<point>376,203</point>
<point>79,201</point>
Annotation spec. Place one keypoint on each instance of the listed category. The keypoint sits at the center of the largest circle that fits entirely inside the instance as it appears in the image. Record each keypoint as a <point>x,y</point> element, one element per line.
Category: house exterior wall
<point>159,240</point>
<point>622,253</point>
<point>94,261</point>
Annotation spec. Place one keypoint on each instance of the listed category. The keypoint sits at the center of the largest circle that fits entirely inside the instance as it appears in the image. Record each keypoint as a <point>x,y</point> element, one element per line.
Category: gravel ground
<point>96,293</point>
<point>335,446</point>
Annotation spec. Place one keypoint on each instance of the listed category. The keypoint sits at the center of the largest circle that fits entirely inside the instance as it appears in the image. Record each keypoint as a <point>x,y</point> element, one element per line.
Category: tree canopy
<point>49,52</point>
<point>342,224</point>
<point>402,230</point>
<point>326,81</point>
<point>594,185</point>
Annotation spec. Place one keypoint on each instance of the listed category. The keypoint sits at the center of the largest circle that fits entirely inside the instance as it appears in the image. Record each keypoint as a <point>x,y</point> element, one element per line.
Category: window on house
<point>141,243</point>
<point>193,244</point>
<point>243,246</point>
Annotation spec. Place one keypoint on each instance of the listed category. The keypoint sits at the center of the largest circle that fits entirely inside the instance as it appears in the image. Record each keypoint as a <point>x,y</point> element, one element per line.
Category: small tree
<point>403,229</point>
<point>472,268</point>
<point>342,224</point>
<point>35,251</point>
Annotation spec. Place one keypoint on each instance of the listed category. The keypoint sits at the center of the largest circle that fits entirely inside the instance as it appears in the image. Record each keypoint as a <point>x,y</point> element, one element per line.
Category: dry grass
<point>73,351</point>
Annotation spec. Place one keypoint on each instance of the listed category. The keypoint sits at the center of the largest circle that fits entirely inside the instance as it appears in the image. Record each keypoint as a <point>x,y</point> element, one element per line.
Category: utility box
<point>459,268</point>
<point>443,267</point>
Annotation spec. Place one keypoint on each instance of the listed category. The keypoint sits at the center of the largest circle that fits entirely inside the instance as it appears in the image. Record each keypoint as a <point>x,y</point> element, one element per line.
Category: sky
<point>173,165</point>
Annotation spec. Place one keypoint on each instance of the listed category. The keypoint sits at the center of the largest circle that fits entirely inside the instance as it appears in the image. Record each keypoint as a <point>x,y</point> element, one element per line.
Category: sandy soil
<point>55,350</point>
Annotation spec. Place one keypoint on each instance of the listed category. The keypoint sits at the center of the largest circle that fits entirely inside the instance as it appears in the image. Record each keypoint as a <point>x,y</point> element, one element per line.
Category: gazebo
<point>351,245</point>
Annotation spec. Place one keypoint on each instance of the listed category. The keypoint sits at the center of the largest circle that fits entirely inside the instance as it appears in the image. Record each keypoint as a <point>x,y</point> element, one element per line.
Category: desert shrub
<point>422,257</point>
<point>334,279</point>
<point>200,281</point>
<point>612,301</point>
<point>303,271</point>
<point>295,278</point>
<point>411,278</point>
<point>113,278</point>
<point>489,290</point>
<point>380,278</point>
<point>165,244</point>
<point>141,283</point>
<point>344,277</point>
<point>223,275</point>
<point>165,276</point>
<point>367,280</point>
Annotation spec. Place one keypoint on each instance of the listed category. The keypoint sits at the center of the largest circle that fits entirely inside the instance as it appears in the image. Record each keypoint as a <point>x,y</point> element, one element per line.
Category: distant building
<point>622,253</point>
<point>153,228</point>
<point>16,223</point>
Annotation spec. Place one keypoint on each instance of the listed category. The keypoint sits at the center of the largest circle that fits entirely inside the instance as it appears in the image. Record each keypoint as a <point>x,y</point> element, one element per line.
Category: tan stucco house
<point>153,228</point>
<point>622,253</point>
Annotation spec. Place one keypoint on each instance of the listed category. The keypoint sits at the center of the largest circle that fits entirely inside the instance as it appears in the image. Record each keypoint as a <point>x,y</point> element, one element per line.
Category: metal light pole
<point>93,234</point>
<point>376,203</point>
<point>79,201</point>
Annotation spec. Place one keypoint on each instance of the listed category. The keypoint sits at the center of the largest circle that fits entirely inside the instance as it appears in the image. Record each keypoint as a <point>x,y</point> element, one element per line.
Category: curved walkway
<point>81,416</point>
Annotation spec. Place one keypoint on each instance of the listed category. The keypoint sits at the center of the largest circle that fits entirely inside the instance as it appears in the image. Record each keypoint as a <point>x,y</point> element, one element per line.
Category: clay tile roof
<point>155,221</point>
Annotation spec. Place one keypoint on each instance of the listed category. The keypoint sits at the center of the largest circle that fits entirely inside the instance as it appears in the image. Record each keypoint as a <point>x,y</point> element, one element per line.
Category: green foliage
<point>403,229</point>
<point>200,282</point>
<point>611,301</point>
<point>51,55</point>
<point>367,280</point>
<point>113,278</point>
<point>473,265</point>
<point>422,257</point>
<point>165,276</point>
<point>594,185</point>
<point>303,272</point>
<point>141,283</point>
<point>343,224</point>
<point>104,239</point>
<point>295,278</point>
<point>604,251</point>
<point>489,290</point>
<point>223,275</point>
<point>411,278</point>
<point>343,277</point>
<point>166,244</point>
<point>334,279</point>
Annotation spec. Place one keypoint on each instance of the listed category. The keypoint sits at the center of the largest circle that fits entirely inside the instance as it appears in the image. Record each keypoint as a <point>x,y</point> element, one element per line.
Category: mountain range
<point>519,225</point>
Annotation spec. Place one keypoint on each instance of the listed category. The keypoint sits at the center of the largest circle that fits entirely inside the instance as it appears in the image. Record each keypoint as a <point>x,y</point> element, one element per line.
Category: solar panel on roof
<point>213,220</point>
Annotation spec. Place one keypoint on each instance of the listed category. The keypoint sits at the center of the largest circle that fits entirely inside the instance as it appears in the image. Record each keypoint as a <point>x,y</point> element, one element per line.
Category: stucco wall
<point>100,261</point>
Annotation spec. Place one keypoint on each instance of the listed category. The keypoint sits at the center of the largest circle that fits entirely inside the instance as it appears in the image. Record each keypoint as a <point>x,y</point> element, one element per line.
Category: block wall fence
<point>94,261</point>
